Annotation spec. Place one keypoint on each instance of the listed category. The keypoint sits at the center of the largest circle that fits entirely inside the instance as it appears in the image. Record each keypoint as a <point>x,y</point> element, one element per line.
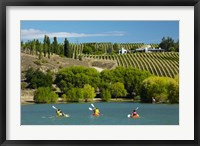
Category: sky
<point>101,31</point>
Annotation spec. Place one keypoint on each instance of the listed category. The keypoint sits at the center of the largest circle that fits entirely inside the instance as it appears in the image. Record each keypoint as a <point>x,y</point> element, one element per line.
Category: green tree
<point>162,89</point>
<point>75,94</point>
<point>67,50</point>
<point>55,46</point>
<point>48,46</point>
<point>116,47</point>
<point>37,44</point>
<point>45,95</point>
<point>38,79</point>
<point>173,92</point>
<point>87,49</point>
<point>118,90</point>
<point>168,44</point>
<point>45,45</point>
<point>40,51</point>
<point>105,95</point>
<point>89,92</point>
<point>77,76</point>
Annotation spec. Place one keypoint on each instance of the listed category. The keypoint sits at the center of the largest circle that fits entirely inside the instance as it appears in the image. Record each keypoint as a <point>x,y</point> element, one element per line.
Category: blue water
<point>114,113</point>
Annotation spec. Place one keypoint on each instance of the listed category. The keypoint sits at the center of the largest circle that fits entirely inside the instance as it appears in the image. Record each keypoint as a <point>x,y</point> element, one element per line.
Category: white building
<point>149,49</point>
<point>122,51</point>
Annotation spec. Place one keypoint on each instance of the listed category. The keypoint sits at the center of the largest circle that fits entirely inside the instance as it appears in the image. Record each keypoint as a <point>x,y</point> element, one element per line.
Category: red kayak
<point>96,115</point>
<point>135,116</point>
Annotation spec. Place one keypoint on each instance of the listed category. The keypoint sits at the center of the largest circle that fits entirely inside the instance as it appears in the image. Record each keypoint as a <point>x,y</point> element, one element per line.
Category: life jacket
<point>134,114</point>
<point>96,112</point>
<point>59,113</point>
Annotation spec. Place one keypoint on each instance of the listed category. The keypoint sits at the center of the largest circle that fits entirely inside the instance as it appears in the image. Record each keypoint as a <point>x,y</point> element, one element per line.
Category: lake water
<point>114,113</point>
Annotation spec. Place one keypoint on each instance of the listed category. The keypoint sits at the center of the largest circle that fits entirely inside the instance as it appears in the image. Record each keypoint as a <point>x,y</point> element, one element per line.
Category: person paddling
<point>96,111</point>
<point>59,113</point>
<point>134,113</point>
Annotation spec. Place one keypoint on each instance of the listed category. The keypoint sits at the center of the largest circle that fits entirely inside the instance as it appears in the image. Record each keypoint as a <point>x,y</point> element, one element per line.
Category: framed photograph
<point>99,72</point>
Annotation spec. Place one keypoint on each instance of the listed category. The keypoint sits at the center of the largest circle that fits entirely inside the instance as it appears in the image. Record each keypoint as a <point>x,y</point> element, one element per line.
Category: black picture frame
<point>5,3</point>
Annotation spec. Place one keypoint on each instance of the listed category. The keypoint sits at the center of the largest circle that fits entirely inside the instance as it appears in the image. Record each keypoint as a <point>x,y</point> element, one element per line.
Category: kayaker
<point>96,112</point>
<point>134,113</point>
<point>59,113</point>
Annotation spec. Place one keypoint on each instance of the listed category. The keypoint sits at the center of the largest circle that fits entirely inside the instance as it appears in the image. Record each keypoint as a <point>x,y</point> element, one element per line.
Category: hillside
<point>56,62</point>
<point>160,64</point>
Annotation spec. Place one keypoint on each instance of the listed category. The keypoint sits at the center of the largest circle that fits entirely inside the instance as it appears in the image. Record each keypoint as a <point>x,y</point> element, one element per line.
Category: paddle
<point>54,107</point>
<point>129,115</point>
<point>93,108</point>
<point>93,105</point>
<point>90,109</point>
<point>66,115</point>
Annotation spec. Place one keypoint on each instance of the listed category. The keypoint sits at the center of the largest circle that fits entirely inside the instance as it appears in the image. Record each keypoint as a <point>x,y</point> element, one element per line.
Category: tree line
<point>84,84</point>
<point>46,48</point>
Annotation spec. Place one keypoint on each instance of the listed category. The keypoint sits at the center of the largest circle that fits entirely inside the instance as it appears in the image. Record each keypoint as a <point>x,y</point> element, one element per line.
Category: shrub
<point>64,96</point>
<point>45,95</point>
<point>75,94</point>
<point>118,90</point>
<point>162,89</point>
<point>105,95</point>
<point>88,92</point>
<point>38,79</point>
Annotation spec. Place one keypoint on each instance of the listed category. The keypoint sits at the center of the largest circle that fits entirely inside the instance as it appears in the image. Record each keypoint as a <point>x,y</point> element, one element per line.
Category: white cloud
<point>38,34</point>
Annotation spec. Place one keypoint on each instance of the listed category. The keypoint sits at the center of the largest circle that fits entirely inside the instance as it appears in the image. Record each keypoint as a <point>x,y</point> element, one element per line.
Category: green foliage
<point>130,77</point>
<point>87,50</point>
<point>45,95</point>
<point>55,45</point>
<point>29,74</point>
<point>88,92</point>
<point>80,58</point>
<point>162,89</point>
<point>173,92</point>
<point>68,52</point>
<point>37,45</point>
<point>105,95</point>
<point>118,90</point>
<point>75,94</point>
<point>45,46</point>
<point>77,76</point>
<point>38,79</point>
<point>168,44</point>
<point>64,96</point>
<point>177,78</point>
<point>116,48</point>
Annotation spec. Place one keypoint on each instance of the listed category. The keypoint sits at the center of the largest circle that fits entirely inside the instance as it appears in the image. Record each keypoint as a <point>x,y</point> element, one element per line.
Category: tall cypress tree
<point>55,46</point>
<point>67,51</point>
<point>37,46</point>
<point>45,45</point>
<point>40,51</point>
<point>48,47</point>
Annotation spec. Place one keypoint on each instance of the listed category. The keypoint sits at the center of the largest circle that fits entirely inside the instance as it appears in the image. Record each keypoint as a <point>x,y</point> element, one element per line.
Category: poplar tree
<point>48,46</point>
<point>55,46</point>
<point>45,45</point>
<point>67,50</point>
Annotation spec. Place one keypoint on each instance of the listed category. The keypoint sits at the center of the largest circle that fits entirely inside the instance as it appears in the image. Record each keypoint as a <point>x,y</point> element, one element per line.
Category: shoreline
<point>28,100</point>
